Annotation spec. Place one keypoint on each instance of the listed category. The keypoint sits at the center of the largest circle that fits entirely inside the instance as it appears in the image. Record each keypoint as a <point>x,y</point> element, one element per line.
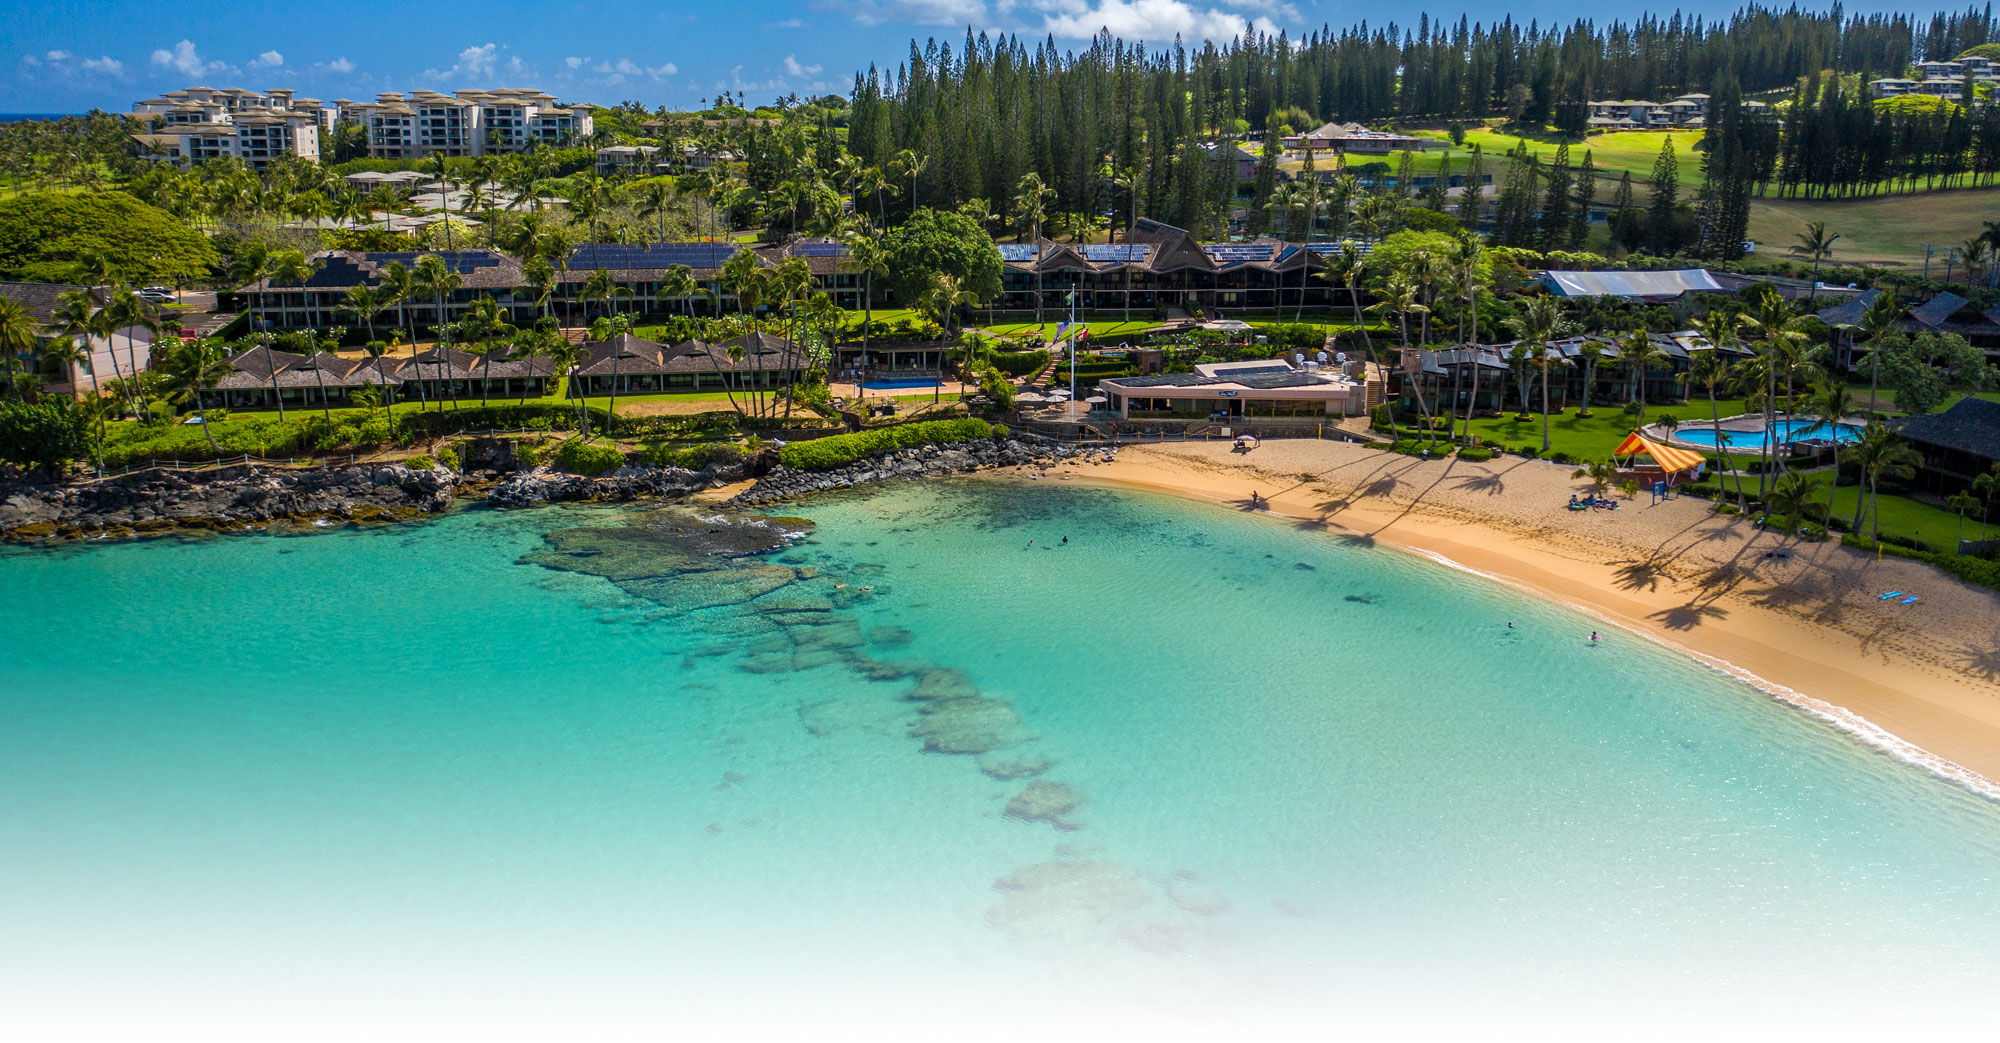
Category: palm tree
<point>193,367</point>
<point>866,257</point>
<point>1881,455</point>
<point>127,313</point>
<point>73,322</point>
<point>1031,205</point>
<point>608,330</point>
<point>443,176</point>
<point>248,269</point>
<point>1590,352</point>
<point>1640,356</point>
<point>1815,245</point>
<point>1987,488</point>
<point>1792,498</point>
<point>1830,402</point>
<point>679,284</point>
<point>1709,370</point>
<point>1877,324</point>
<point>1537,325</point>
<point>439,281</point>
<point>484,321</point>
<point>564,356</point>
<point>18,334</point>
<point>1972,253</point>
<point>1601,474</point>
<point>656,199</point>
<point>1771,320</point>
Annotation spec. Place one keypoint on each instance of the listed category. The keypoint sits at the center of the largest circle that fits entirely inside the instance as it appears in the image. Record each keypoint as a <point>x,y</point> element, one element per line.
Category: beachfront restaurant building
<point>631,364</point>
<point>1257,388</point>
<point>1958,444</point>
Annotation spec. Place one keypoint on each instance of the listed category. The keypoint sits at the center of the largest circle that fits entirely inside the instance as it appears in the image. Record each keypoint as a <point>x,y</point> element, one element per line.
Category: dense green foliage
<point>585,458</point>
<point>1020,363</point>
<point>43,236</point>
<point>839,450</point>
<point>934,241</point>
<point>693,458</point>
<point>47,435</point>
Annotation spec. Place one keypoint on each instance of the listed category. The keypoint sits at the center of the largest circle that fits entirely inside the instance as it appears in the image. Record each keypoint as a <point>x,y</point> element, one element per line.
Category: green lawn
<point>1592,438</point>
<point>1883,230</point>
<point>1103,331</point>
<point>1613,154</point>
<point>1905,517</point>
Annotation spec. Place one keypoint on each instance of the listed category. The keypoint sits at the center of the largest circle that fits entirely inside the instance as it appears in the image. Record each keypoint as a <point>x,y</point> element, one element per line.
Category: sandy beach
<point>1920,680</point>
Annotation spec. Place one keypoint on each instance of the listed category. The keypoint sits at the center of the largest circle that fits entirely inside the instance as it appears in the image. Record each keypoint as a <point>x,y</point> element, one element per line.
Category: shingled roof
<point>1971,425</point>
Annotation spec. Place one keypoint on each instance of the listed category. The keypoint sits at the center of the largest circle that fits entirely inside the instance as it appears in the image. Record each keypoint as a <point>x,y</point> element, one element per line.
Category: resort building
<point>1958,445</point>
<point>1353,137</point>
<point>1257,388</point>
<point>124,353</point>
<point>1950,313</point>
<point>317,302</point>
<point>1653,287</point>
<point>629,159</point>
<point>1160,267</point>
<point>261,378</point>
<point>632,364</point>
<point>256,138</point>
<point>467,122</point>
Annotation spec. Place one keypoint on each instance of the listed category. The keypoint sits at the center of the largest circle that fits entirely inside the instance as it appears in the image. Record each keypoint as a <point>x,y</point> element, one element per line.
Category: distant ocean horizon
<point>23,117</point>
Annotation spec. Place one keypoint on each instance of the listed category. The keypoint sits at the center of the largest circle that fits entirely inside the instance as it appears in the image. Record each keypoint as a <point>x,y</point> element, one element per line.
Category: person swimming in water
<point>1593,637</point>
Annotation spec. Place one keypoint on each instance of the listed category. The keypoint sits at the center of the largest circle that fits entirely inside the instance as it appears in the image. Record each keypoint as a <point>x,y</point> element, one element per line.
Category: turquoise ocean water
<point>405,774</point>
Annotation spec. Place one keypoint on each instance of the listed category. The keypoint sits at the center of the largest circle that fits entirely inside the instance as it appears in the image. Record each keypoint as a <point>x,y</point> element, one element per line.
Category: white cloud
<point>482,63</point>
<point>612,73</point>
<point>267,60</point>
<point>575,63</point>
<point>185,59</point>
<point>68,66</point>
<point>1153,20</point>
<point>793,68</point>
<point>789,23</point>
<point>339,65</point>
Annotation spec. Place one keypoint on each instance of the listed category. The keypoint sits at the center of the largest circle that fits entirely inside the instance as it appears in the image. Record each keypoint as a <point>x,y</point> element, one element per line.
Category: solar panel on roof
<point>1238,251</point>
<point>1113,252</point>
<point>596,256</point>
<point>1017,252</point>
<point>825,249</point>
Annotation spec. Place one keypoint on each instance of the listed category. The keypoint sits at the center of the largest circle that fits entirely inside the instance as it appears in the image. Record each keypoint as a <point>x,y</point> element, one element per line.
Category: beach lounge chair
<point>1891,594</point>
<point>1911,600</point>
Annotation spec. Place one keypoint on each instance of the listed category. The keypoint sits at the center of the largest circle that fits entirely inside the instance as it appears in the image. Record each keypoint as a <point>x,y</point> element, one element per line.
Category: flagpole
<point>1072,356</point>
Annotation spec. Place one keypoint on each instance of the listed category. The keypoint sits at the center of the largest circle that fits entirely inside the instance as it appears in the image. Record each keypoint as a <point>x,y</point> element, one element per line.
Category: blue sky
<point>112,52</point>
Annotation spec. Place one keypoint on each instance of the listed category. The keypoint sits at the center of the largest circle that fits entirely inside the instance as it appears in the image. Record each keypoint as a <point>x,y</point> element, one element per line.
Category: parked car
<point>155,295</point>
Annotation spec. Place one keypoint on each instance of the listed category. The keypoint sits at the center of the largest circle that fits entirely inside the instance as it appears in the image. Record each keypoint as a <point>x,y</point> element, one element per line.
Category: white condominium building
<point>467,123</point>
<point>256,138</point>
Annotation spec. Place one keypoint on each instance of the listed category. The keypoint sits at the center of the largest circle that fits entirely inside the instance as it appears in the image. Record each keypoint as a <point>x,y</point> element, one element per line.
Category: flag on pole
<point>1083,334</point>
<point>1070,297</point>
<point>1062,329</point>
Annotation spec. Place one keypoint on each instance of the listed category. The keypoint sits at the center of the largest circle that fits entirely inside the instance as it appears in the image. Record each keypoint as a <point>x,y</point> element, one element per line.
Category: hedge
<point>1475,454</point>
<point>1981,571</point>
<point>840,450</point>
<point>584,458</point>
<point>507,416</point>
<point>693,458</point>
<point>1020,363</point>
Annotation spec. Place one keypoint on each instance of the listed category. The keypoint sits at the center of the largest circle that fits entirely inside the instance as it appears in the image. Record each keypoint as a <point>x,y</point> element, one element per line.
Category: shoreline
<point>1806,630</point>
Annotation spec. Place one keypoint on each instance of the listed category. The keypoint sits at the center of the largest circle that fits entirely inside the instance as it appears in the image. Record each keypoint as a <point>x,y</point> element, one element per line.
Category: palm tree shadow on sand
<point>1690,615</point>
<point>1982,661</point>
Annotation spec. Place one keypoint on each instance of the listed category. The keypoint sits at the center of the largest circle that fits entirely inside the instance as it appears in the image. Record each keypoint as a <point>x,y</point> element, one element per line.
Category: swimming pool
<point>893,385</point>
<point>1788,431</point>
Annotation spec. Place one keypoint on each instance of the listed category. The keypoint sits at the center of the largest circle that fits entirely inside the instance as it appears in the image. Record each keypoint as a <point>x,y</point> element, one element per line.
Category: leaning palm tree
<point>1987,488</point>
<point>1710,370</point>
<point>193,367</point>
<point>608,330</point>
<point>251,270</point>
<point>1537,325</point>
<point>74,322</point>
<point>1590,352</point>
<point>866,258</point>
<point>291,266</point>
<point>1815,245</point>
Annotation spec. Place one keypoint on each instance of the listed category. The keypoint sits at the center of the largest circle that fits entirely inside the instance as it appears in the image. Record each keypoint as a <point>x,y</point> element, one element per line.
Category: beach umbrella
<point>1030,397</point>
<point>1097,398</point>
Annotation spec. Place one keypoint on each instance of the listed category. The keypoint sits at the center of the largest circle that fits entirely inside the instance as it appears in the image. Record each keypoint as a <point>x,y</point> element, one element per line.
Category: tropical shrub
<point>1020,363</point>
<point>1475,454</point>
<point>584,458</point>
<point>694,457</point>
<point>420,462</point>
<point>47,435</point>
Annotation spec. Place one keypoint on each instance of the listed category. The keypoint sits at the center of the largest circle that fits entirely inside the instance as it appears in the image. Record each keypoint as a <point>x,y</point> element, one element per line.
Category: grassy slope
<point>1883,230</point>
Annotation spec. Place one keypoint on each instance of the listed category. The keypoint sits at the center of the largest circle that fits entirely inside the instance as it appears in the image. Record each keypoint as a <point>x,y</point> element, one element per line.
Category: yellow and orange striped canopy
<point>1669,458</point>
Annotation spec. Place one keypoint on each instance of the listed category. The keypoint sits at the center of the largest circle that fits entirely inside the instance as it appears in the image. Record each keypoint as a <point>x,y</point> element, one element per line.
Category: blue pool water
<point>419,773</point>
<point>890,385</point>
<point>1788,431</point>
